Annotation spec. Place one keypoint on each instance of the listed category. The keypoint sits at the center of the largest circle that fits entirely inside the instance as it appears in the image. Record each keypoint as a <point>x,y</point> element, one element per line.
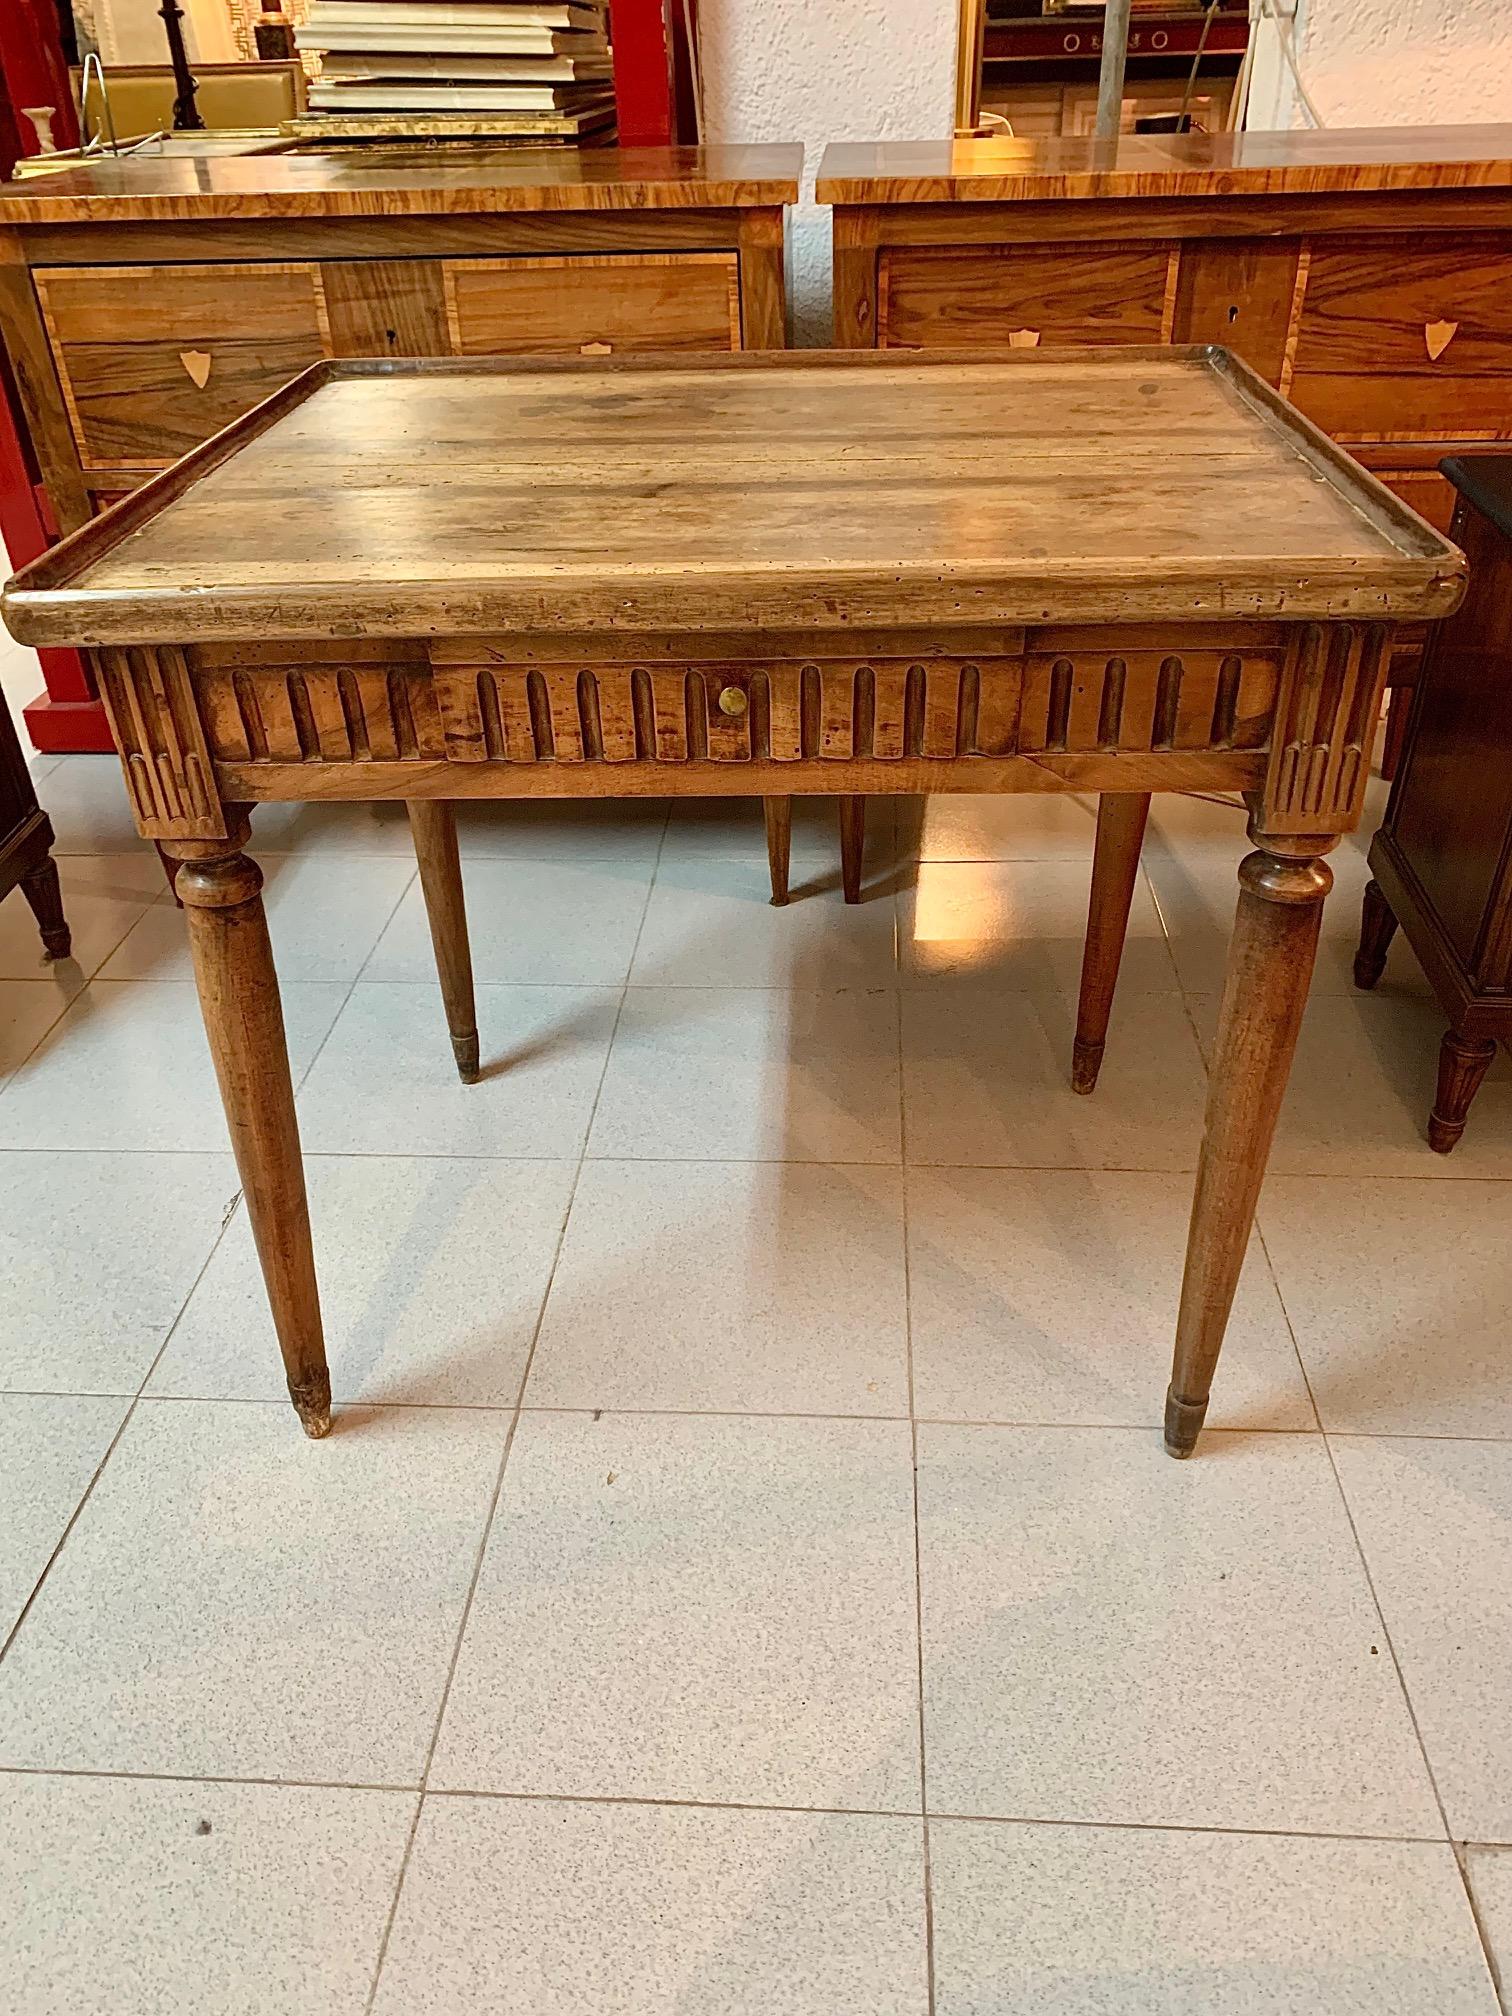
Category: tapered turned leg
<point>41,889</point>
<point>1377,929</point>
<point>1281,891</point>
<point>778,813</point>
<point>238,991</point>
<point>1463,1063</point>
<point>1121,817</point>
<point>852,845</point>
<point>434,826</point>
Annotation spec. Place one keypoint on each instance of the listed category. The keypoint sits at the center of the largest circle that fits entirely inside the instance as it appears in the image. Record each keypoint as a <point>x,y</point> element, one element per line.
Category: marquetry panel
<point>971,296</point>
<point>1396,337</point>
<point>1326,714</point>
<point>151,704</point>
<point>592,305</point>
<point>153,360</point>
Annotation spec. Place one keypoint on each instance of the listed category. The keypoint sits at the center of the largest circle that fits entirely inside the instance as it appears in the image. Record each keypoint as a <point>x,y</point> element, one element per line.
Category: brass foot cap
<point>312,1403</point>
<point>1086,1062</point>
<point>1183,1424</point>
<point>465,1050</point>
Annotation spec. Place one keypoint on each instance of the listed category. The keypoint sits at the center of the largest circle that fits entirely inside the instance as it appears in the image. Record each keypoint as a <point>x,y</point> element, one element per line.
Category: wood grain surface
<point>385,182</point>
<point>1002,170</point>
<point>745,492</point>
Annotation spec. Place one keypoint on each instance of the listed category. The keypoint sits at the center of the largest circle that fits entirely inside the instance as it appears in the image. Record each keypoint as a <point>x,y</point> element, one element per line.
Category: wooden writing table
<point>1113,571</point>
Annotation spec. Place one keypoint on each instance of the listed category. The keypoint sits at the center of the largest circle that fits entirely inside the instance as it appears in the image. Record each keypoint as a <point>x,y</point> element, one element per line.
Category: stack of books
<point>511,69</point>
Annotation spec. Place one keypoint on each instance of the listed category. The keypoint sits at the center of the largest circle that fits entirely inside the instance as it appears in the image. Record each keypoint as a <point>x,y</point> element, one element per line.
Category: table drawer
<point>1400,336</point>
<point>593,304</point>
<point>982,297</point>
<point>153,359</point>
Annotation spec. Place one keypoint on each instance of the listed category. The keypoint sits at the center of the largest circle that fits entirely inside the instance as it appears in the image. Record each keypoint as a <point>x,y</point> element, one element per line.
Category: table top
<point>999,169</point>
<point>419,182</point>
<point>743,492</point>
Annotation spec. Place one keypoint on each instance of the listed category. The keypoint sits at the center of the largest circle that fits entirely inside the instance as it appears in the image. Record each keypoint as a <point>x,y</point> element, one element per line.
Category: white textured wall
<point>819,70</point>
<point>1405,62</point>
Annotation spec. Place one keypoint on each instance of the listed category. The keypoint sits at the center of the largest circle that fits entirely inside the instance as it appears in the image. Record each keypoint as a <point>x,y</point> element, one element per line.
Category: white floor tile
<point>1435,1524</point>
<point>988,1082</point>
<point>1111,1637</point>
<point>1362,1085</point>
<point>1197,824</point>
<point>538,923</point>
<point>1051,1296</point>
<point>127,1067</point>
<point>325,915</point>
<point>238,1602</point>
<point>1199,892</point>
<point>1085,1921</point>
<point>756,1287</point>
<point>1398,1293</point>
<point>28,1009</point>
<point>710,923</point>
<point>97,1253</point>
<point>103,896</point>
<point>1490,1876</point>
<point>144,1898</point>
<point>50,1447</point>
<point>386,1082</point>
<point>694,1607</point>
<point>533,1908</point>
<point>752,1074</point>
<point>975,826</point>
<point>86,801</point>
<point>627,830</point>
<point>432,1273</point>
<point>1019,926</point>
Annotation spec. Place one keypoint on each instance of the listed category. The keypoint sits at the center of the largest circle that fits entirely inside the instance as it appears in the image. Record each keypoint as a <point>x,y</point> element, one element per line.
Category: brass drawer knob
<point>732,700</point>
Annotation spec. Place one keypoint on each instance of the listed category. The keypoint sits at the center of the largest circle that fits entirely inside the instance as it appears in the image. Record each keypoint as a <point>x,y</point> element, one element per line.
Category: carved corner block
<point>1326,714</point>
<point>154,717</point>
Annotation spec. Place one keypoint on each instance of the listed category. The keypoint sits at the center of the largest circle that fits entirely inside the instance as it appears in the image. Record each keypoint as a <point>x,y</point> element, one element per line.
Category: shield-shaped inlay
<point>197,363</point>
<point>1023,339</point>
<point>1438,336</point>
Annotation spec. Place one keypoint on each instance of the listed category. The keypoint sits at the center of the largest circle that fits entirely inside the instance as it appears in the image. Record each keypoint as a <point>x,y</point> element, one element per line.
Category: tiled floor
<point>745,1576</point>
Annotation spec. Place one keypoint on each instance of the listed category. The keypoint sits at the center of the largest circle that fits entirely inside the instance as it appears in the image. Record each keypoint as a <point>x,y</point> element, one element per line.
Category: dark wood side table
<point>26,839</point>
<point>1442,861</point>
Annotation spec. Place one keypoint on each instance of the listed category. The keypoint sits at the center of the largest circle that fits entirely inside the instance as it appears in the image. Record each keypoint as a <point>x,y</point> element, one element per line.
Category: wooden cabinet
<point>1442,861</point>
<point>1367,275</point>
<point>147,303</point>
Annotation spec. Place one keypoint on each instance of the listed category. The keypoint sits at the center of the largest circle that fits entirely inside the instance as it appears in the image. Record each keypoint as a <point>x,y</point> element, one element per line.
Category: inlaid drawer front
<point>594,304</point>
<point>988,296</point>
<point>152,360</point>
<point>1396,337</point>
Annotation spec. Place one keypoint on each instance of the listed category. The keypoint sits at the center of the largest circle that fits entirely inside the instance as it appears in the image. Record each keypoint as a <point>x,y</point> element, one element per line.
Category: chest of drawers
<point>1367,275</point>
